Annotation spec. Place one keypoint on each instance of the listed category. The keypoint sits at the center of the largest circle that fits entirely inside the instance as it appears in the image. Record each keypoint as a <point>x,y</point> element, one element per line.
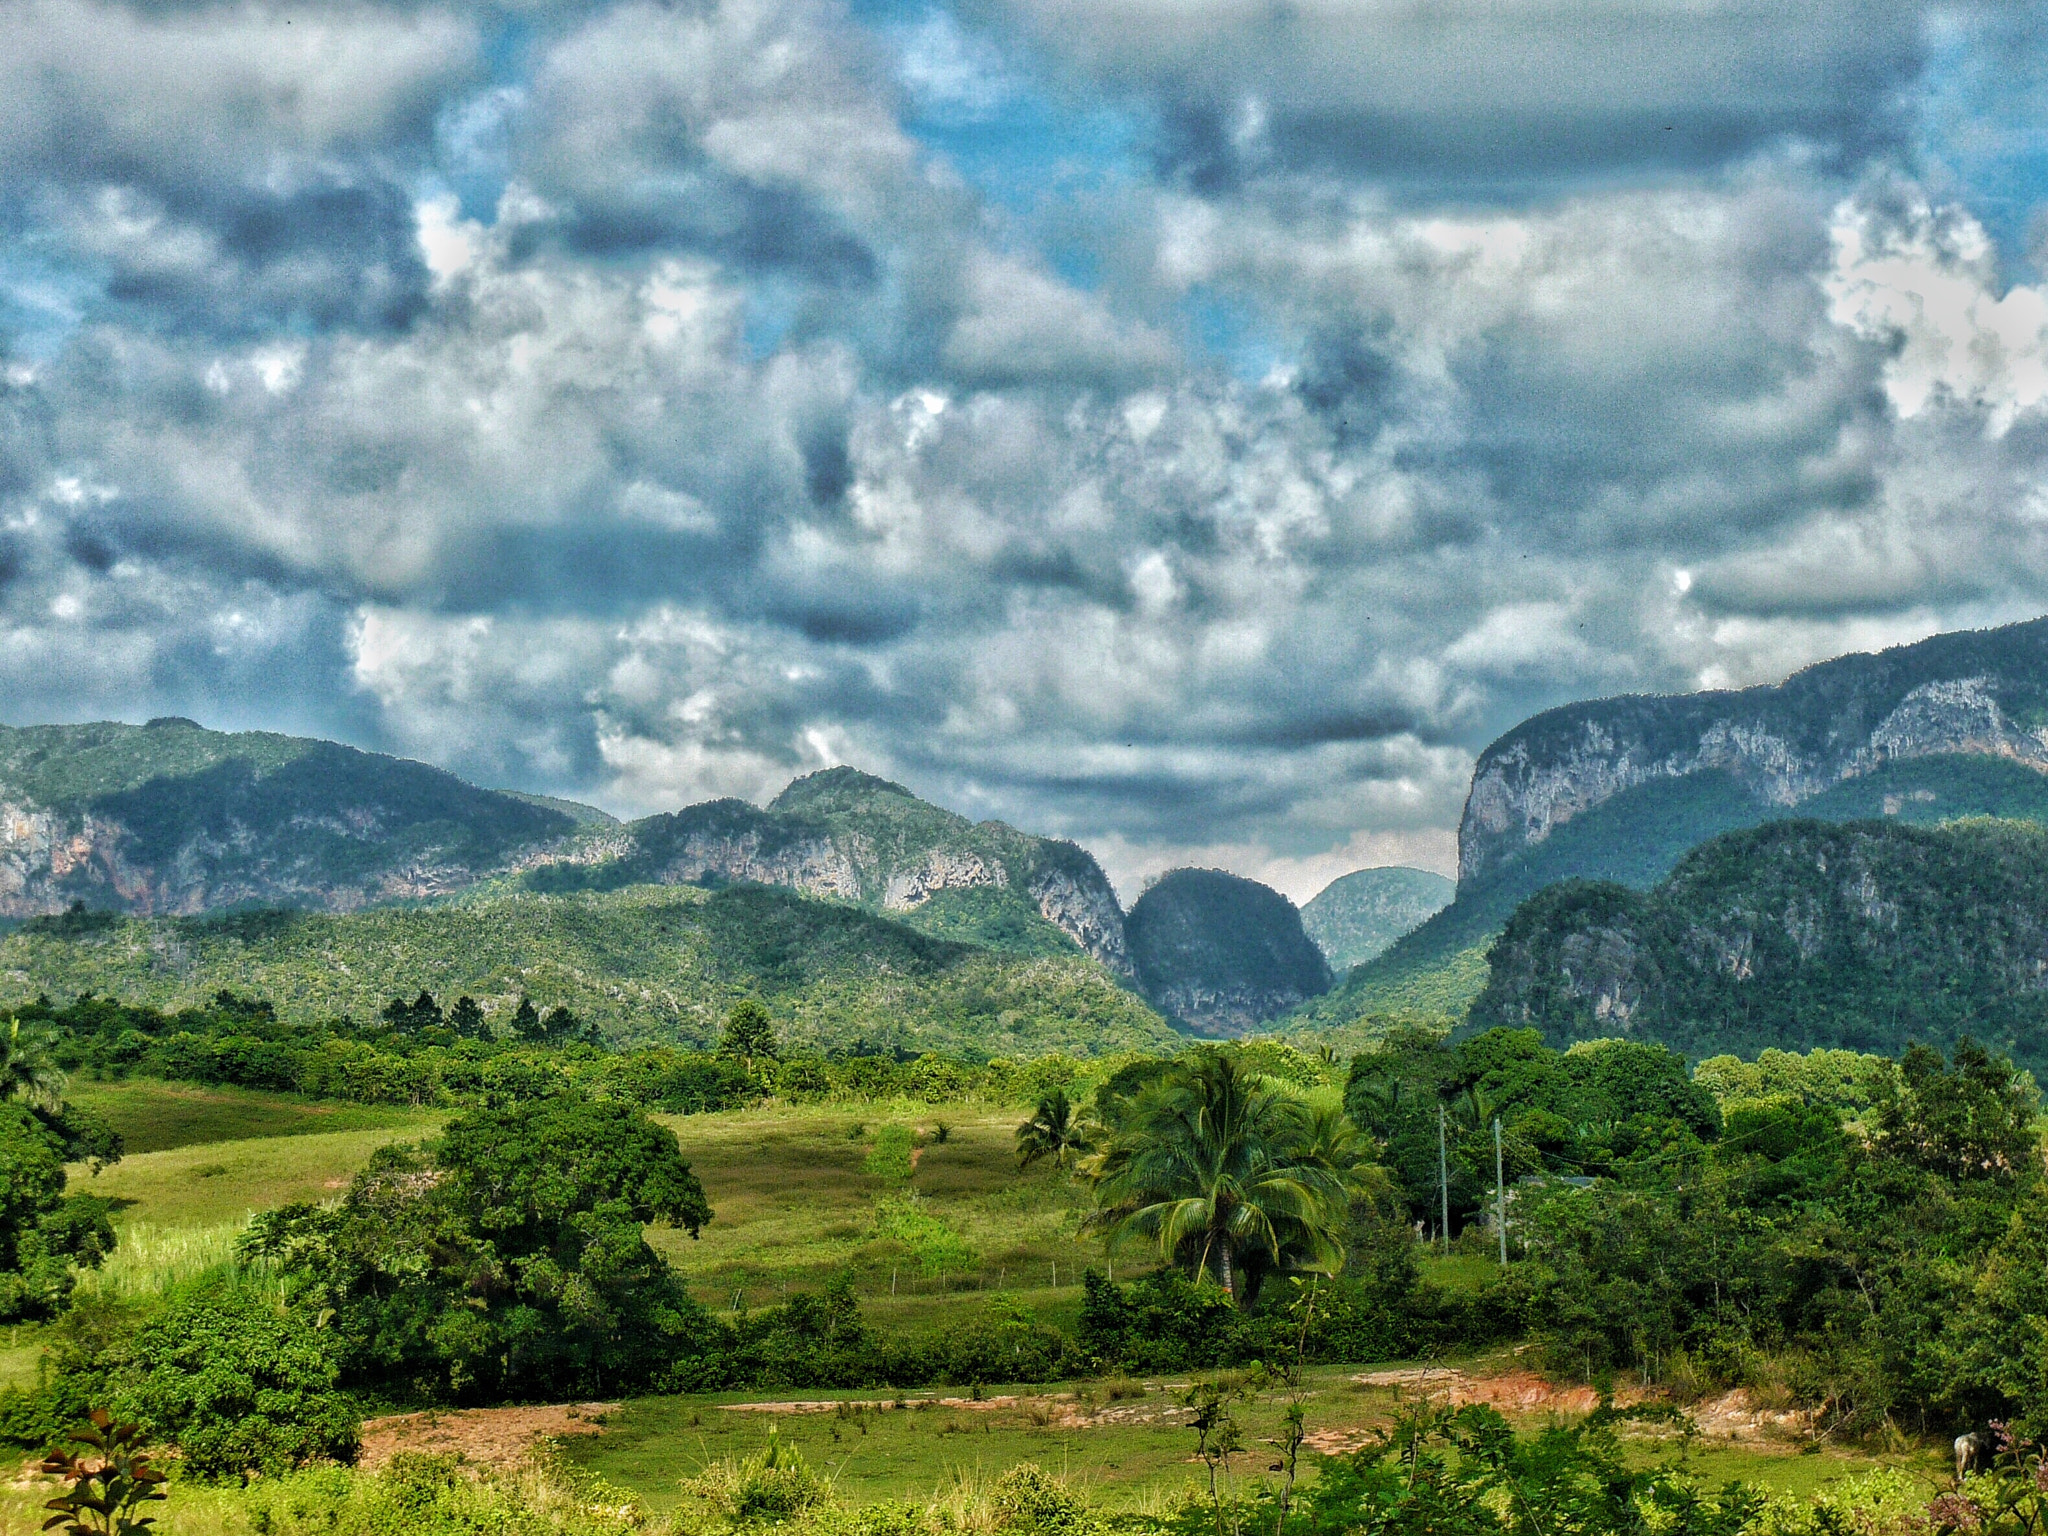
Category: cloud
<point>1477,90</point>
<point>642,402</point>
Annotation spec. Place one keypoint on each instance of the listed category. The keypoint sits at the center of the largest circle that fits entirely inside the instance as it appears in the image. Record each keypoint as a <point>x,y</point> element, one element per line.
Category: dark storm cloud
<point>624,399</point>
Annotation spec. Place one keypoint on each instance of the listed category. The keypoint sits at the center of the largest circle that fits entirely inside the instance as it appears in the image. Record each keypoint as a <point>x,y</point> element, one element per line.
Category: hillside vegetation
<point>1358,916</point>
<point>647,965</point>
<point>170,817</point>
<point>852,837</point>
<point>1797,934</point>
<point>1638,836</point>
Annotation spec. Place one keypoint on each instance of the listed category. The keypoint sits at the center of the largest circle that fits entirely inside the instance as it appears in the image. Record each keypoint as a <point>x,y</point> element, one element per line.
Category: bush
<point>240,1385</point>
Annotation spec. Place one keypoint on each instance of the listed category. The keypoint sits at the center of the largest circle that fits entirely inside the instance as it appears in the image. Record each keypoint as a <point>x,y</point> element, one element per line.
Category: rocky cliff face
<point>1222,954</point>
<point>849,836</point>
<point>1982,693</point>
<point>171,818</point>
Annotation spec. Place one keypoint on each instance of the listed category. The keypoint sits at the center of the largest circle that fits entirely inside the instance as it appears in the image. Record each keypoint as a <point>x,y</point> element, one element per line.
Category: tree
<point>1054,1131</point>
<point>1216,1167</point>
<point>526,1020</point>
<point>467,1019</point>
<point>410,1018</point>
<point>1970,1122</point>
<point>239,1385</point>
<point>749,1032</point>
<point>506,1258</point>
<point>28,1065</point>
<point>45,1234</point>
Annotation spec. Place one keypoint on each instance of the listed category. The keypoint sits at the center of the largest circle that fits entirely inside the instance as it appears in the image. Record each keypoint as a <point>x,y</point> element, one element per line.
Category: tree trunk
<point>1223,1264</point>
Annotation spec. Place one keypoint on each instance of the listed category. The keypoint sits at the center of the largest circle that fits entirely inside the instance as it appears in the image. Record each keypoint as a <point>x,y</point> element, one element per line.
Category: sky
<point>1194,427</point>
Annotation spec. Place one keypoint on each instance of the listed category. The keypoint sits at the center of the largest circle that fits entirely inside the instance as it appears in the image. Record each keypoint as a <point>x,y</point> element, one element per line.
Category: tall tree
<point>1226,1174</point>
<point>749,1032</point>
<point>28,1065</point>
<point>1055,1130</point>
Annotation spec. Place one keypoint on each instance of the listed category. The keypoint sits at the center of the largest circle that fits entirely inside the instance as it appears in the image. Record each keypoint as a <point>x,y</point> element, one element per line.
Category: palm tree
<point>28,1066</point>
<point>1054,1130</point>
<point>1227,1175</point>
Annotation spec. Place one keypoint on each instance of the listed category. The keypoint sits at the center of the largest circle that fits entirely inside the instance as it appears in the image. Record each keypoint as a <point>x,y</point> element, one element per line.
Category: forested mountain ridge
<point>1796,934</point>
<point>1359,915</point>
<point>1979,693</point>
<point>1621,789</point>
<point>647,965</point>
<point>172,818</point>
<point>850,836</point>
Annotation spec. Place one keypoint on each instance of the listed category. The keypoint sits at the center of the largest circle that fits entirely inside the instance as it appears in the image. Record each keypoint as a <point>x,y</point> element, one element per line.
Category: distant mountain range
<point>1620,789</point>
<point>169,822</point>
<point>172,821</point>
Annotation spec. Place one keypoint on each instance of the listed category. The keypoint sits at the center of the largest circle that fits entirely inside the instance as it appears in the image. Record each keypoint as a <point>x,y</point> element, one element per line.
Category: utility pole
<point>1500,1194</point>
<point>1443,1176</point>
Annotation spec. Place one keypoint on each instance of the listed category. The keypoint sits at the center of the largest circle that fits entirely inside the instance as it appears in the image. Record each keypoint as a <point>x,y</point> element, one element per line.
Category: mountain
<point>1979,693</point>
<point>1796,934</point>
<point>1221,954</point>
<point>1620,789</point>
<point>1358,915</point>
<point>172,818</point>
<point>856,838</point>
<point>649,964</point>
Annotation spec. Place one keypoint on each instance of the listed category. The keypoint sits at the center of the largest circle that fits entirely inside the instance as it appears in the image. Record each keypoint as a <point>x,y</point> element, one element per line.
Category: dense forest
<point>1866,936</point>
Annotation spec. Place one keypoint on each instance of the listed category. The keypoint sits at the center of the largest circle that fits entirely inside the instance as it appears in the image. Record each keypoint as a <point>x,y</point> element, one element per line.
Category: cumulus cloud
<point>650,402</point>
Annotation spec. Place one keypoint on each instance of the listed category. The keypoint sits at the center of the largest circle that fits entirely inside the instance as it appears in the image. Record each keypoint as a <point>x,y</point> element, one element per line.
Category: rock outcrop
<point>849,836</point>
<point>1982,693</point>
<point>1222,954</point>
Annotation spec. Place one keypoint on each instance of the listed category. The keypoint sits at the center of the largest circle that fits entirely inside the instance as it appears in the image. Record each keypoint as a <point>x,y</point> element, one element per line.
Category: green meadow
<point>923,1207</point>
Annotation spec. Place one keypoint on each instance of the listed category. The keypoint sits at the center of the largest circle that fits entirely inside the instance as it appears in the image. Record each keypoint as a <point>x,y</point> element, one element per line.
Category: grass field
<point>801,1195</point>
<point>157,1117</point>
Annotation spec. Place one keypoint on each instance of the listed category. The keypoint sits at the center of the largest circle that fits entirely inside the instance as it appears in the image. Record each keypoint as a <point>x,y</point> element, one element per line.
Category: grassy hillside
<point>1637,838</point>
<point>1799,934</point>
<point>647,964</point>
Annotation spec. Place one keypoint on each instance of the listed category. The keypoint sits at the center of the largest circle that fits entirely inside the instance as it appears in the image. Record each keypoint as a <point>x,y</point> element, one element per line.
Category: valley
<point>387,1144</point>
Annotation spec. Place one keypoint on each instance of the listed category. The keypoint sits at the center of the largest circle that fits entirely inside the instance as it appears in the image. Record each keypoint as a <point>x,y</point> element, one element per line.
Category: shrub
<point>775,1484</point>
<point>890,1158</point>
<point>239,1384</point>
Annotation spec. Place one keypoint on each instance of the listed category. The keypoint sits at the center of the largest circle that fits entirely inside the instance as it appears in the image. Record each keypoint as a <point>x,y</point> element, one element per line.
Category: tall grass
<point>150,1259</point>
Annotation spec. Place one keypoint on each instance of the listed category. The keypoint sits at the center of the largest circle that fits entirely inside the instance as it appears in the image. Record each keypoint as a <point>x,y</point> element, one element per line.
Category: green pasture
<point>925,1208</point>
<point>1123,1442</point>
<point>157,1117</point>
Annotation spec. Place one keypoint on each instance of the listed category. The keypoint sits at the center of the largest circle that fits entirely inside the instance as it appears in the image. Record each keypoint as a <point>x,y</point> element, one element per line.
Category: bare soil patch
<point>501,1438</point>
